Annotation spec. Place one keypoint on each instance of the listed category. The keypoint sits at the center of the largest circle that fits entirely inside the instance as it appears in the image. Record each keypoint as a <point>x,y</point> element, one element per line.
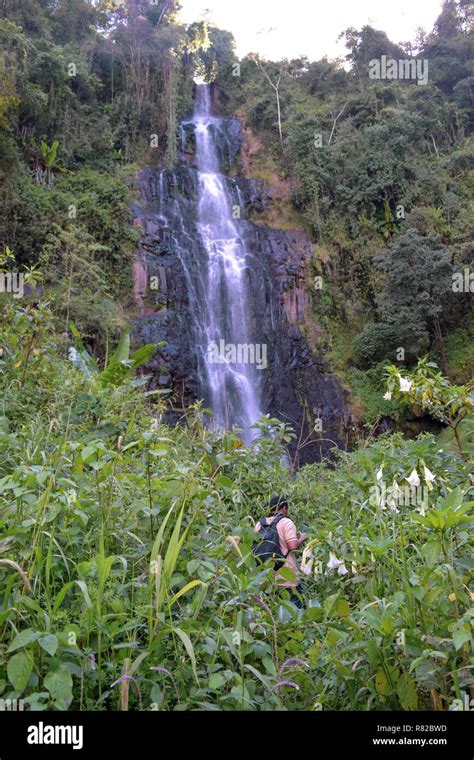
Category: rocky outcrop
<point>297,384</point>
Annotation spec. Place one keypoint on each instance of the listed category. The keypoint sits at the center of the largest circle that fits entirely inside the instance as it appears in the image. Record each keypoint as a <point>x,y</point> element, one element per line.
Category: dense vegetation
<point>367,167</point>
<point>126,574</point>
<point>379,173</point>
<point>127,578</point>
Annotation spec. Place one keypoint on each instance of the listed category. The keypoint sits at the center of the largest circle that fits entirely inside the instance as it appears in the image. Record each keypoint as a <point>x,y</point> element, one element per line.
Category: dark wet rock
<point>227,137</point>
<point>169,257</point>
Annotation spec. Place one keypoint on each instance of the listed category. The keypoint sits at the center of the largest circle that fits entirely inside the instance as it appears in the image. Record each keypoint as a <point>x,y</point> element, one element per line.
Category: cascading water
<point>207,276</point>
<point>232,384</point>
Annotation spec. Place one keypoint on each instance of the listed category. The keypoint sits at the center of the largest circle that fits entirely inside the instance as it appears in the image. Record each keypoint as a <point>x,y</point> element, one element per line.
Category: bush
<point>375,342</point>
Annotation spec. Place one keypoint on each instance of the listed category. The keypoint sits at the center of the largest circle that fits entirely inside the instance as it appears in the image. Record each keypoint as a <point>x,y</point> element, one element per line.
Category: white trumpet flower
<point>394,495</point>
<point>307,561</point>
<point>414,479</point>
<point>405,384</point>
<point>388,396</point>
<point>335,563</point>
<point>429,477</point>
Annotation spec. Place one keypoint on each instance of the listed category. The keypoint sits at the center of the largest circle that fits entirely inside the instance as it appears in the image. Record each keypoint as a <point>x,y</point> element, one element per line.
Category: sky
<point>290,28</point>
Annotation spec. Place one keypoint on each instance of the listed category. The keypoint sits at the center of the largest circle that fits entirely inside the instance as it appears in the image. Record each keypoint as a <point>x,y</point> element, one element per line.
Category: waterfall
<point>209,284</point>
<point>228,353</point>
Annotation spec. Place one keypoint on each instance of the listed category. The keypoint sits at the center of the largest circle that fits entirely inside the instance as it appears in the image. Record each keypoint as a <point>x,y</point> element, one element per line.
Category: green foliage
<point>426,388</point>
<point>366,387</point>
<point>127,579</point>
<point>460,353</point>
<point>364,163</point>
<point>375,342</point>
<point>126,556</point>
<point>417,285</point>
<point>80,233</point>
<point>215,60</point>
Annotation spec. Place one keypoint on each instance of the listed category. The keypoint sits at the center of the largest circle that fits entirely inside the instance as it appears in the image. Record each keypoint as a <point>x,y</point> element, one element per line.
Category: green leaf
<point>224,481</point>
<point>185,589</point>
<point>137,662</point>
<point>461,635</point>
<point>189,649</point>
<point>85,593</point>
<point>122,351</point>
<point>330,602</point>
<point>269,665</point>
<point>381,684</point>
<point>342,608</point>
<point>19,670</point>
<point>216,681</point>
<point>343,670</point>
<point>87,452</point>
<point>257,673</point>
<point>49,643</point>
<point>407,692</point>
<point>431,551</point>
<point>59,684</point>
<point>287,573</point>
<point>333,637</point>
<point>142,354</point>
<point>313,614</point>
<point>22,639</point>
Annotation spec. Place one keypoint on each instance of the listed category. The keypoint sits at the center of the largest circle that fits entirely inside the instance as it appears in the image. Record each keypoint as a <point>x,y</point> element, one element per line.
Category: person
<point>289,543</point>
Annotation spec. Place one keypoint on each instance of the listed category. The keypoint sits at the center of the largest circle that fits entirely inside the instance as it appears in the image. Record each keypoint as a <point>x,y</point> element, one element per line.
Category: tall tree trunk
<point>170,92</point>
<point>276,87</point>
<point>279,115</point>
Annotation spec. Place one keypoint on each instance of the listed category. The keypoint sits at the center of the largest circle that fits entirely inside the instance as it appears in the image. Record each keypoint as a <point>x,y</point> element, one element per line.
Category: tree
<point>276,88</point>
<point>366,44</point>
<point>324,77</point>
<point>74,20</point>
<point>427,389</point>
<point>449,47</point>
<point>28,14</point>
<point>375,342</point>
<point>448,23</point>
<point>417,288</point>
<point>216,52</point>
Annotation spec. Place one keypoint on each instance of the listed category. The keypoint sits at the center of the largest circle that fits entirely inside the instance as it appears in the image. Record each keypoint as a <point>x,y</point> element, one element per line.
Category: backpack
<point>268,544</point>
